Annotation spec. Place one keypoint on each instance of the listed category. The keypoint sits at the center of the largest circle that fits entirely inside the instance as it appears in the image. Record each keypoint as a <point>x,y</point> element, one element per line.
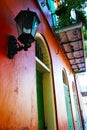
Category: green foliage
<point>74,3</point>
<point>85,47</point>
<point>63,11</point>
<point>64,14</point>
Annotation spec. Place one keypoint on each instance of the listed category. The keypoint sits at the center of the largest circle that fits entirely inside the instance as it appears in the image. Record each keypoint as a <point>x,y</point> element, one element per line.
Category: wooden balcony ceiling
<point>71,40</point>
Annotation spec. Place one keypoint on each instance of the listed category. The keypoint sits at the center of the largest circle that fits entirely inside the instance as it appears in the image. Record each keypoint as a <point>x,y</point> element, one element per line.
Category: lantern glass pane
<point>27,23</point>
<point>34,26</point>
<point>19,27</point>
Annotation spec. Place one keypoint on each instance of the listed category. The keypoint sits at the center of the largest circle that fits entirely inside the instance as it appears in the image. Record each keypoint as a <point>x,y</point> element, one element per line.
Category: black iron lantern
<point>27,23</point>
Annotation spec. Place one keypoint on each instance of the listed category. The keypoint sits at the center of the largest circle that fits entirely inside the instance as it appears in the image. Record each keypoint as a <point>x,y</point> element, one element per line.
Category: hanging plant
<point>63,12</point>
<point>61,8</point>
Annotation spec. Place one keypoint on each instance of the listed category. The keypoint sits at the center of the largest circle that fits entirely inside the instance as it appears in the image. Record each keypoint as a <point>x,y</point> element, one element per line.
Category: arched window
<point>44,83</point>
<point>67,101</point>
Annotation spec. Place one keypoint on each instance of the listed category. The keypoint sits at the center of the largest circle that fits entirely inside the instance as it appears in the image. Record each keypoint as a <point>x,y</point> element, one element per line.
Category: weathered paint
<point>18,103</point>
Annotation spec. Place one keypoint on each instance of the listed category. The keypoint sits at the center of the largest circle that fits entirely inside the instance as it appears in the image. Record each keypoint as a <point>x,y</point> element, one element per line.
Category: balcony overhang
<point>71,40</point>
<point>84,94</point>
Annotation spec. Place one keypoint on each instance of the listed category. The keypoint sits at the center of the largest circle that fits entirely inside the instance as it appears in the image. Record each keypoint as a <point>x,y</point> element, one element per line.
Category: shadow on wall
<point>5,29</point>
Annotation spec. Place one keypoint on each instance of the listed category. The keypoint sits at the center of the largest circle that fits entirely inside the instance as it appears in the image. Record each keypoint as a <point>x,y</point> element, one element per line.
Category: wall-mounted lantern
<point>27,23</point>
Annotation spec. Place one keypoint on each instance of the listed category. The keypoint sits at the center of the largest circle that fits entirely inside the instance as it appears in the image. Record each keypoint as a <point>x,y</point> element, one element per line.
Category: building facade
<point>37,87</point>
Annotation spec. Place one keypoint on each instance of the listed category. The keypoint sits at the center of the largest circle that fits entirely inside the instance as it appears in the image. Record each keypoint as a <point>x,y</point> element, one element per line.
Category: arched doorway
<point>67,101</point>
<point>45,93</point>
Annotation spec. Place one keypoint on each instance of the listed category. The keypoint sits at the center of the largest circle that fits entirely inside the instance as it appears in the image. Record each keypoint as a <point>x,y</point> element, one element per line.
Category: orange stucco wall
<point>18,108</point>
<point>18,104</point>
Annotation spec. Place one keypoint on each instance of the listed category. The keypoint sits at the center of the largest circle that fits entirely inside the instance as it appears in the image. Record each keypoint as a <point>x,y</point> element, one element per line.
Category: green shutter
<point>40,103</point>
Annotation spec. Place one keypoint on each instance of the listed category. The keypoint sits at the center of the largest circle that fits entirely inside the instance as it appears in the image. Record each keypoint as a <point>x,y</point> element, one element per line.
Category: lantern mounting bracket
<point>14,46</point>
